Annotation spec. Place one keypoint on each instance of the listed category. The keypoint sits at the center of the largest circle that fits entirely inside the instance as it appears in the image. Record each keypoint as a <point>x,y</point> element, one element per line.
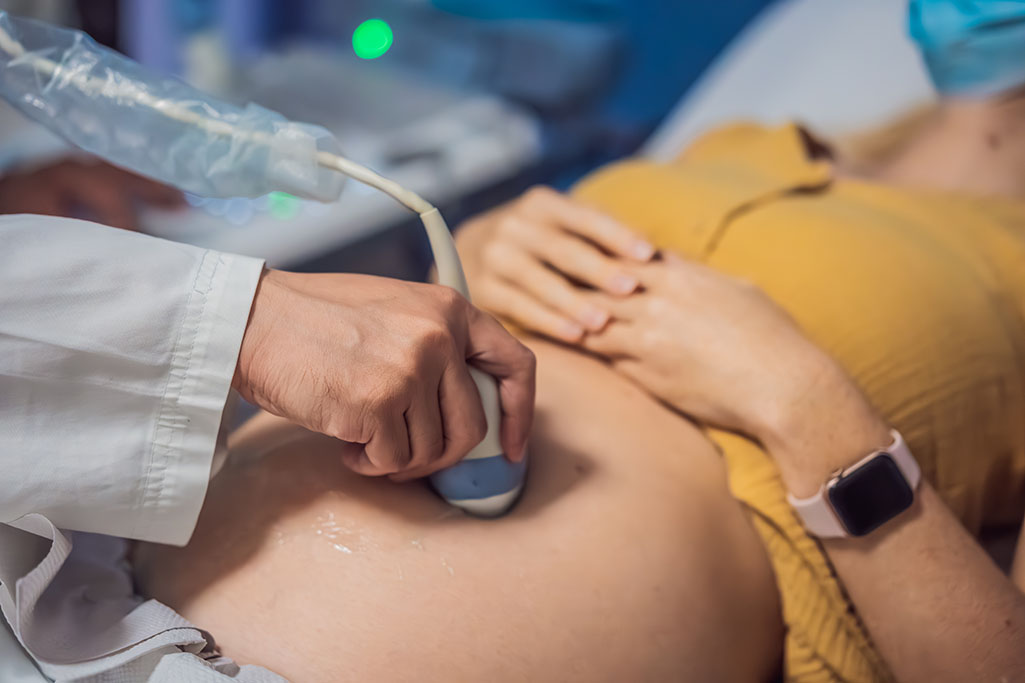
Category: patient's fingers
<point>636,370</point>
<point>581,261</point>
<point>521,270</point>
<point>669,268</point>
<point>672,277</point>
<point>618,340</point>
<point>516,305</point>
<point>576,217</point>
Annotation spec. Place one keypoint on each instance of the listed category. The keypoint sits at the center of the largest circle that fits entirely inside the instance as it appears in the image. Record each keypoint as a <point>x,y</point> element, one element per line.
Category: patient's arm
<point>936,605</point>
<point>625,560</point>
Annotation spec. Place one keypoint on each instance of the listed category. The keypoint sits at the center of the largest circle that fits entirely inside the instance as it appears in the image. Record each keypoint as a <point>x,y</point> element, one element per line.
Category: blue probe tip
<point>487,487</point>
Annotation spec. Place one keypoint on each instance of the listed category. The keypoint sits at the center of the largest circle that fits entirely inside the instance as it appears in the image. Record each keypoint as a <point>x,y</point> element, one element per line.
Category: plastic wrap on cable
<point>154,125</point>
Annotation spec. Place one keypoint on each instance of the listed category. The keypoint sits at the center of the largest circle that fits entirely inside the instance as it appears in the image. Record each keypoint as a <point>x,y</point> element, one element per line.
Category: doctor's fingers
<point>521,270</point>
<point>423,423</point>
<point>462,420</point>
<point>388,450</point>
<point>493,350</point>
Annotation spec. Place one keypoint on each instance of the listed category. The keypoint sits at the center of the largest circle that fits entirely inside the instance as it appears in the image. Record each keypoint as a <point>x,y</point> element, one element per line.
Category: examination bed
<point>801,59</point>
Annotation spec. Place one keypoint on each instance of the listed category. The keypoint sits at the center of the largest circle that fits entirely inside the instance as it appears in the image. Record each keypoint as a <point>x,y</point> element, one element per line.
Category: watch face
<point>871,495</point>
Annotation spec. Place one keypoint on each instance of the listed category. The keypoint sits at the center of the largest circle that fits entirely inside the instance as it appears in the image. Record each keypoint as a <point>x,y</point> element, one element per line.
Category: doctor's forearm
<point>117,352</point>
<point>933,602</point>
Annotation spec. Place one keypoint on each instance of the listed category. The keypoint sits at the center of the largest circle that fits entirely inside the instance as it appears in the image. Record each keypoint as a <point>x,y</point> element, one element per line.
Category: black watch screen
<point>871,495</point>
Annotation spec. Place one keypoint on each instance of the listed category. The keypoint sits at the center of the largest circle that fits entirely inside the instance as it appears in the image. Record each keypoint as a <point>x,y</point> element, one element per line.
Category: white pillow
<point>836,65</point>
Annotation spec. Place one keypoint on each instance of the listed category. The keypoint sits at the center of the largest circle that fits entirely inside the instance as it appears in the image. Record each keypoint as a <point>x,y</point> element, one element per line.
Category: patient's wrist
<point>828,424</point>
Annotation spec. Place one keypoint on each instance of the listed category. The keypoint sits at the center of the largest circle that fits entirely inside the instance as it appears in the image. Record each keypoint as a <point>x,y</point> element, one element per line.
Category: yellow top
<point>919,294</point>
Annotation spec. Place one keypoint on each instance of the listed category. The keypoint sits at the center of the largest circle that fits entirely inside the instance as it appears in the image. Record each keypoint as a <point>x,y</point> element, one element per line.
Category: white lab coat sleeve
<point>117,352</point>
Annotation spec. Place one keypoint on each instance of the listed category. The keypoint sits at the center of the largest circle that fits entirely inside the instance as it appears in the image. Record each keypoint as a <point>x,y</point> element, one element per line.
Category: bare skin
<point>625,560</point>
<point>967,145</point>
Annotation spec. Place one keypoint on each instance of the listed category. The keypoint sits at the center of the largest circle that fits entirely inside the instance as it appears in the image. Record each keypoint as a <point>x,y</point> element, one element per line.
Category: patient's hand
<point>539,260</point>
<point>713,347</point>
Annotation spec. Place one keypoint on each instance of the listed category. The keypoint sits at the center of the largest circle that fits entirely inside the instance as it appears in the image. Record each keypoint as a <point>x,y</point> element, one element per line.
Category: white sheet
<point>836,65</point>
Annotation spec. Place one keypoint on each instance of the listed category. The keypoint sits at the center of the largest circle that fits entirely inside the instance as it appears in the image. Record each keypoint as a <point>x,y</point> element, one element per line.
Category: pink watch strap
<point>817,512</point>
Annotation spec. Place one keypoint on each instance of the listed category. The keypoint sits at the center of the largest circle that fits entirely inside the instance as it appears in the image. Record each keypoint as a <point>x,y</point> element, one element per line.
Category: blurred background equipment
<point>466,102</point>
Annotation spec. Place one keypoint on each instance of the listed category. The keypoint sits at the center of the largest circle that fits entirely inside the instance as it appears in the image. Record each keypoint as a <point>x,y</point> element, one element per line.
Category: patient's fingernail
<point>643,251</point>
<point>623,283</point>
<point>570,331</point>
<point>594,318</point>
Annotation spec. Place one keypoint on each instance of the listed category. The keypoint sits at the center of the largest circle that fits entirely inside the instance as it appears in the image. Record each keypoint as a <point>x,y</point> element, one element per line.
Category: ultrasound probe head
<point>485,483</point>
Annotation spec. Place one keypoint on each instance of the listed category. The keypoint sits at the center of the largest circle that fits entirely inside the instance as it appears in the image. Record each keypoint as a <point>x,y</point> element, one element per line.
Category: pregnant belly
<point>625,560</point>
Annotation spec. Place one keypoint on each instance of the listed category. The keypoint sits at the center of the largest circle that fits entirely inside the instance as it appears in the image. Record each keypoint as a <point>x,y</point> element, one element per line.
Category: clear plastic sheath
<point>157,126</point>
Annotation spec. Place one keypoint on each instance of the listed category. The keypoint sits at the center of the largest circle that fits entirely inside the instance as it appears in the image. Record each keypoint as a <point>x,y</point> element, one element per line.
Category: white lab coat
<point>117,352</point>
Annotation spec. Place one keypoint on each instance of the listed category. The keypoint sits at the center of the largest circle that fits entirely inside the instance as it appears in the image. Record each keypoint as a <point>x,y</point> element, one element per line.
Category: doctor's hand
<point>537,260</point>
<point>383,363</point>
<point>84,189</point>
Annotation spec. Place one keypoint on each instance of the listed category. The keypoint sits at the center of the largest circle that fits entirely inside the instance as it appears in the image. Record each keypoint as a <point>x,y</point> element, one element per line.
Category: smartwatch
<point>859,499</point>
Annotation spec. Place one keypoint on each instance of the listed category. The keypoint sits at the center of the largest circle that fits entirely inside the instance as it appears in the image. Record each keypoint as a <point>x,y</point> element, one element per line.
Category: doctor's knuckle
<point>469,433</point>
<point>384,398</point>
<point>525,359</point>
<point>431,337</point>
<point>433,448</point>
<point>433,346</point>
<point>476,431</point>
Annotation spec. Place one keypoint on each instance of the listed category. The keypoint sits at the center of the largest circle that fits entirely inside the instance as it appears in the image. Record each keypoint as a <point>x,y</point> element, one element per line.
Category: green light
<point>371,39</point>
<point>283,205</point>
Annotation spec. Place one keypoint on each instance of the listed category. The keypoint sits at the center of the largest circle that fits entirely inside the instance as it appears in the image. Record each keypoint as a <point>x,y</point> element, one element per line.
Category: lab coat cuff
<point>206,356</point>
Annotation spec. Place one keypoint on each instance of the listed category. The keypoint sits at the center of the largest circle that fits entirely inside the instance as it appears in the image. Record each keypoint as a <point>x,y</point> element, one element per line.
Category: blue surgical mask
<point>972,48</point>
